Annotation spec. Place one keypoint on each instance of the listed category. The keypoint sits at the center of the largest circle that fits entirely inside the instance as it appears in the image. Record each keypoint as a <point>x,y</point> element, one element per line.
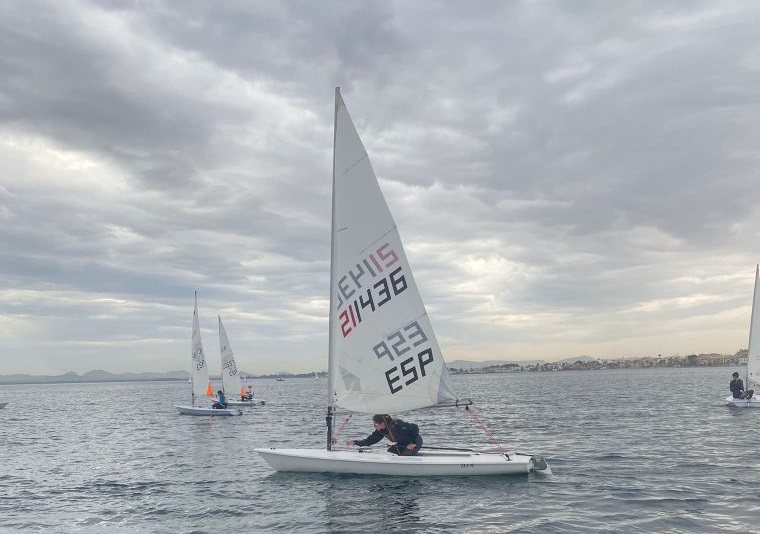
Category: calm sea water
<point>632,451</point>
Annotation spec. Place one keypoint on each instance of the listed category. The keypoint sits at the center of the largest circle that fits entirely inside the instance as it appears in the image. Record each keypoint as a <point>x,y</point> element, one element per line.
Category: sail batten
<point>384,356</point>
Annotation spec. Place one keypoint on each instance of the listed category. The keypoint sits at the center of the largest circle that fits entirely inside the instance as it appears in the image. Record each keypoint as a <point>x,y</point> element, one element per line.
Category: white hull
<point>754,402</point>
<point>253,402</point>
<point>425,463</point>
<point>207,410</point>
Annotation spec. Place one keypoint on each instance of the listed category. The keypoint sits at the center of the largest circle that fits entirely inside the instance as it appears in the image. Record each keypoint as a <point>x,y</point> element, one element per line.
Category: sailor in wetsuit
<point>737,388</point>
<point>221,402</point>
<point>404,437</point>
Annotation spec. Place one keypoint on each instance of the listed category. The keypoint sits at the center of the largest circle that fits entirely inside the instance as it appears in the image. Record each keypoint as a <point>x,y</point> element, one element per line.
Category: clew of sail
<point>231,382</point>
<point>384,357</point>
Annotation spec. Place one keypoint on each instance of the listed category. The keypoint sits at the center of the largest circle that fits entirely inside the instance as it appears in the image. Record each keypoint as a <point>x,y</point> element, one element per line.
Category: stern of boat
<point>754,402</point>
<point>539,465</point>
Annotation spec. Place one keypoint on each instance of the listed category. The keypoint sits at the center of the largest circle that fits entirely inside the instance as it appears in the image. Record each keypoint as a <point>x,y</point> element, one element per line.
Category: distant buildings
<point>692,360</point>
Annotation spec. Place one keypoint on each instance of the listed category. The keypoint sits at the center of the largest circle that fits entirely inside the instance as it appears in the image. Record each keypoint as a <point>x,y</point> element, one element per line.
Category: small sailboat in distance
<point>231,381</point>
<point>752,369</point>
<point>200,381</point>
<point>383,356</point>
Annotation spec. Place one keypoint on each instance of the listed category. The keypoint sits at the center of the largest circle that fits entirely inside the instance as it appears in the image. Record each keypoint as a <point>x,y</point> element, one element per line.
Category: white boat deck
<point>207,410</point>
<point>754,402</point>
<point>379,462</point>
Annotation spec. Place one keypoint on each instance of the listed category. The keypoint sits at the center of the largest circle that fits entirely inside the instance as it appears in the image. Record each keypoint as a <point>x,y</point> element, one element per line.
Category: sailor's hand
<point>410,446</point>
<point>350,442</point>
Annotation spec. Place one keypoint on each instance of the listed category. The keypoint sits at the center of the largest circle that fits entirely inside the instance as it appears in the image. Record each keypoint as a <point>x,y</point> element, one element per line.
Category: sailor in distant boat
<point>221,402</point>
<point>405,437</point>
<point>248,395</point>
<point>737,388</point>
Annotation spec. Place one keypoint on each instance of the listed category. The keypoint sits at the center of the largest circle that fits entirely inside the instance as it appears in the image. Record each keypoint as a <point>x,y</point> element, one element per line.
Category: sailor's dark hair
<point>381,418</point>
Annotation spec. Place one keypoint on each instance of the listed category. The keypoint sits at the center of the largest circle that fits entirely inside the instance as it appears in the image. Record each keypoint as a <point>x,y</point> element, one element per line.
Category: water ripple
<point>627,457</point>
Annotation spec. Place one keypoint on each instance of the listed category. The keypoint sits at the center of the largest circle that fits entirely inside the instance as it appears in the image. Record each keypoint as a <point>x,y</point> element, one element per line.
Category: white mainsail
<point>231,382</point>
<point>201,383</point>
<point>753,349</point>
<point>383,355</point>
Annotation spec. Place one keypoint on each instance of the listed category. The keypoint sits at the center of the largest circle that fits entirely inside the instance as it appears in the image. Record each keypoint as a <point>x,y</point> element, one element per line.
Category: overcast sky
<point>569,178</point>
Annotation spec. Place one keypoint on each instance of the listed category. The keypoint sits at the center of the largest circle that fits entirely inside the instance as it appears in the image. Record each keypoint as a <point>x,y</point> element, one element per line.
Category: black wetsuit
<point>736,386</point>
<point>401,432</point>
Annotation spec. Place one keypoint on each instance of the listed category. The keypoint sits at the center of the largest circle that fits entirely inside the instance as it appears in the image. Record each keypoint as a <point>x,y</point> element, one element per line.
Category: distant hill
<point>104,376</point>
<point>92,376</point>
<point>469,364</point>
<point>98,375</point>
<point>573,359</point>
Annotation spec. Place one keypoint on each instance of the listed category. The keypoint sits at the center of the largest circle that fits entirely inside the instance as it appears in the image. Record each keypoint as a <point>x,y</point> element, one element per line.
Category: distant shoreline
<point>455,367</point>
<point>93,377</point>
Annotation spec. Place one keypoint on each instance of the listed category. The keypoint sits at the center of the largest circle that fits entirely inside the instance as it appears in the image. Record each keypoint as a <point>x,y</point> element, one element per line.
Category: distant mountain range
<point>105,376</point>
<point>467,364</point>
<point>92,376</point>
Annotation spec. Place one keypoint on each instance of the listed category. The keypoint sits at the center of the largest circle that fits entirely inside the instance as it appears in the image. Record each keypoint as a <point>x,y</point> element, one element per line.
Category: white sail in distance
<point>231,382</point>
<point>199,375</point>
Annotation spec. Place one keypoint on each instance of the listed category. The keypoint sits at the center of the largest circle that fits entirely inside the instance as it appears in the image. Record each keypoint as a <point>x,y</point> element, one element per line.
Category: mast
<point>333,262</point>
<point>192,361</point>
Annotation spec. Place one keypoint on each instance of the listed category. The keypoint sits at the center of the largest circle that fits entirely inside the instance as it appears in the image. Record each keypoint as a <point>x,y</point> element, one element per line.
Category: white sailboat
<point>751,376</point>
<point>200,382</point>
<point>383,354</point>
<point>232,384</point>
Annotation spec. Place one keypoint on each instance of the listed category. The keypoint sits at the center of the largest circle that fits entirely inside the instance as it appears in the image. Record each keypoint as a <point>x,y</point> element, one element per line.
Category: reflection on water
<point>353,502</point>
<point>348,503</point>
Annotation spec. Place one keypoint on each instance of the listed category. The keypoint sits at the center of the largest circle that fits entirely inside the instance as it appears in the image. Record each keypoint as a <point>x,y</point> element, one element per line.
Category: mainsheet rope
<point>482,426</point>
<point>340,429</point>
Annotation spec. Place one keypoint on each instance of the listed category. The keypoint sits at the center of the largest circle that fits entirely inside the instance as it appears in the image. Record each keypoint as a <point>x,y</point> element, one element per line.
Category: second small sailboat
<point>231,381</point>
<point>752,369</point>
